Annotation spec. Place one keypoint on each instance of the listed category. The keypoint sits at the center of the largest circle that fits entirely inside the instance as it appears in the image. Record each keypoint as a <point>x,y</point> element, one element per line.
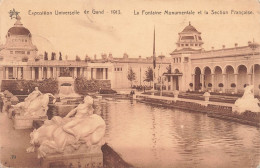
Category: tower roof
<point>18,28</point>
<point>189,28</point>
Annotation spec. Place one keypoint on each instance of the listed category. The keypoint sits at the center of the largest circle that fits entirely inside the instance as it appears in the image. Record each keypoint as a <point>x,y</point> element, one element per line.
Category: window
<point>196,44</point>
<point>25,40</point>
<point>19,52</point>
<point>200,38</point>
<point>186,44</point>
<point>28,52</point>
<point>191,44</point>
<point>11,52</point>
<point>182,45</point>
<point>115,69</point>
<point>186,59</point>
<point>187,38</point>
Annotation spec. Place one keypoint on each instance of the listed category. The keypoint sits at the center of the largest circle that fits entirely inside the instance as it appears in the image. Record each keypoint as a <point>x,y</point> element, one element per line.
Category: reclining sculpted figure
<point>36,104</point>
<point>247,102</point>
<point>65,135</point>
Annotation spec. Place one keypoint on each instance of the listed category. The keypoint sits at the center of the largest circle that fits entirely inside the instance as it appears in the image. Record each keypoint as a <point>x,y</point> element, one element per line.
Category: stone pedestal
<point>25,122</point>
<point>91,158</point>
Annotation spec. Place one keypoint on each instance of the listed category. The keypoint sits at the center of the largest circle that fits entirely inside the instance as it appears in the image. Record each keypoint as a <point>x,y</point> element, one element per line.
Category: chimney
<point>212,48</point>
<point>223,46</point>
<point>236,45</point>
<point>95,57</point>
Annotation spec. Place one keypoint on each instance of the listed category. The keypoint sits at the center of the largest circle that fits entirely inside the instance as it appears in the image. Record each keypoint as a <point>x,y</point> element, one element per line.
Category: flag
<point>154,58</point>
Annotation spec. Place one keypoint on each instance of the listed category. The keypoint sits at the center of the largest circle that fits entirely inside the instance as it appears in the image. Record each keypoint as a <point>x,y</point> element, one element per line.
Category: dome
<point>18,28</point>
<point>189,28</point>
<point>18,31</point>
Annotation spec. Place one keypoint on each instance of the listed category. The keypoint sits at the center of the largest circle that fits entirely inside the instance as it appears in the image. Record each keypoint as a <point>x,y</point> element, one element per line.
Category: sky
<point>128,33</point>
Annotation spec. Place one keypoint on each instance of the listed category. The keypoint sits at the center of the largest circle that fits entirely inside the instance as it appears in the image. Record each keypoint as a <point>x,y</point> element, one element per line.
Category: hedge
<point>24,87</point>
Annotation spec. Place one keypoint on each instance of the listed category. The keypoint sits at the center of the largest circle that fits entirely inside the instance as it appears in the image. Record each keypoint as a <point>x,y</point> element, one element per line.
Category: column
<point>202,81</point>
<point>180,83</point>
<point>48,72</point>
<point>54,72</point>
<point>167,83</point>
<point>224,82</point>
<point>104,73</point>
<point>6,73</point>
<point>40,72</point>
<point>88,73</point>
<point>249,79</point>
<point>171,83</point>
<point>27,74</point>
<point>82,72</point>
<point>33,73</point>
<point>236,82</point>
<point>57,72</point>
<point>19,73</point>
<point>193,82</point>
<point>212,81</point>
<point>75,73</point>
<point>15,72</point>
<point>94,73</point>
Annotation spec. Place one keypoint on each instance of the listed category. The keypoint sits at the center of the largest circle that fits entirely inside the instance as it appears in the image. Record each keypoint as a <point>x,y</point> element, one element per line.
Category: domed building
<point>189,41</point>
<point>18,46</point>
<point>225,70</point>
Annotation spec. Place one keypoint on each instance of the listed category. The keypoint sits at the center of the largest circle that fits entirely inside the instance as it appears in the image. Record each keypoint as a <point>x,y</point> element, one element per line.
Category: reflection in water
<point>150,136</point>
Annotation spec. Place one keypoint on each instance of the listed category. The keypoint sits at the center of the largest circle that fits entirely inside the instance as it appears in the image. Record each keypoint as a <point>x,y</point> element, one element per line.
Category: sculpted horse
<point>34,107</point>
<point>51,137</point>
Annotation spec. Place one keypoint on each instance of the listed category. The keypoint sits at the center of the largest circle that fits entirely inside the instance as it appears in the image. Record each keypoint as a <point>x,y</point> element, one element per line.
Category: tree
<point>131,75</point>
<point>78,58</point>
<point>53,56</point>
<point>60,58</point>
<point>149,75</point>
<point>45,55</point>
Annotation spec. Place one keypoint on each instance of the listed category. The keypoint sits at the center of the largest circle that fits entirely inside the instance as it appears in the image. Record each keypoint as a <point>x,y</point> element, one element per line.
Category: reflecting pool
<point>152,136</point>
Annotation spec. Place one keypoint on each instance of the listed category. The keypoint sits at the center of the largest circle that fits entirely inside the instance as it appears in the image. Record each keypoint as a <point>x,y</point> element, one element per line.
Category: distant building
<point>19,60</point>
<point>188,67</point>
<point>196,69</point>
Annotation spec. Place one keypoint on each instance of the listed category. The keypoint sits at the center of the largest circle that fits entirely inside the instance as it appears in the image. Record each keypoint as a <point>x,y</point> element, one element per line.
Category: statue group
<point>80,128</point>
<point>247,102</point>
<point>35,105</point>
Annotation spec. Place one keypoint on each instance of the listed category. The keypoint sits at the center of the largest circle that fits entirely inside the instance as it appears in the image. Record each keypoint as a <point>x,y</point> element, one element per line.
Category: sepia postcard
<point>130,84</point>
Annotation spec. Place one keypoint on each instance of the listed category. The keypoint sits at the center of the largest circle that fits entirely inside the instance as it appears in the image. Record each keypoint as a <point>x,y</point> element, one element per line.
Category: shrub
<point>221,85</point>
<point>233,85</point>
<point>24,87</point>
<point>107,91</point>
<point>83,85</point>
<point>209,84</point>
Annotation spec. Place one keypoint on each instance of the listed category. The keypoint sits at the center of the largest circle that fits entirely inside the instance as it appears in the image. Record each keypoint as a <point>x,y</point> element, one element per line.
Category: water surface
<point>152,136</point>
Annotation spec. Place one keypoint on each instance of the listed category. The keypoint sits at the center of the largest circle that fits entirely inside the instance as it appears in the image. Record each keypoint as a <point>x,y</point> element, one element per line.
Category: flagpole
<point>154,59</point>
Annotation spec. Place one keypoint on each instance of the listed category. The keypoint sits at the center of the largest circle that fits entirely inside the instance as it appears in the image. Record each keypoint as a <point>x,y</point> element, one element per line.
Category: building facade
<point>225,70</point>
<point>188,67</point>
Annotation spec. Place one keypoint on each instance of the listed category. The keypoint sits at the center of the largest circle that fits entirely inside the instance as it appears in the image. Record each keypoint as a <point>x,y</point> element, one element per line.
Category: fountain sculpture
<point>71,139</point>
<point>247,102</point>
<point>34,107</point>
